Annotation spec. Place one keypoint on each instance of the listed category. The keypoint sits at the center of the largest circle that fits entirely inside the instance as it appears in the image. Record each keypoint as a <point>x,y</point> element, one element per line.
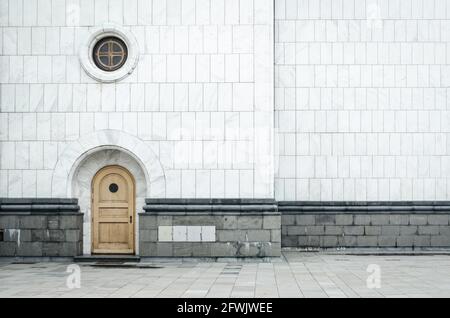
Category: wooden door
<point>113,205</point>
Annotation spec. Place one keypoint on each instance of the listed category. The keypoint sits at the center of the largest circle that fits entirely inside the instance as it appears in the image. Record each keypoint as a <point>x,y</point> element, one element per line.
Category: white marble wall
<point>362,99</point>
<point>201,96</point>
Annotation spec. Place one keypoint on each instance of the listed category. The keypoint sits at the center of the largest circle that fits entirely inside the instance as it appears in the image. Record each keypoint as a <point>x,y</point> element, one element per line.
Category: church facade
<point>223,128</point>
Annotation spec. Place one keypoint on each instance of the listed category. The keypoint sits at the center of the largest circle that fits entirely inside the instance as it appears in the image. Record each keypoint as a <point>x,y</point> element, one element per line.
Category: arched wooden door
<point>113,206</point>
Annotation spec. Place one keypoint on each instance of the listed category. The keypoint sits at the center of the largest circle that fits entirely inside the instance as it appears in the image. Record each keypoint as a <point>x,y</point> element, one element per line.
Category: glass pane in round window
<point>110,54</point>
<point>104,49</point>
<point>116,59</point>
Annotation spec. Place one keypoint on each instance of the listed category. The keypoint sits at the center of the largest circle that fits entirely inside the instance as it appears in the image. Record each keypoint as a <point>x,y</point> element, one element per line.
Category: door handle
<point>131,219</point>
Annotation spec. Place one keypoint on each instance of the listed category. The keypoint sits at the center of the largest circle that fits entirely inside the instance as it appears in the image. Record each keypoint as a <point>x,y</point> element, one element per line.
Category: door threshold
<point>107,258</point>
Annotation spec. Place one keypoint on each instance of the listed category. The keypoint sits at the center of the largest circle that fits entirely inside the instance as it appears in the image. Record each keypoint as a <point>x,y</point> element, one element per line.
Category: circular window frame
<point>87,53</point>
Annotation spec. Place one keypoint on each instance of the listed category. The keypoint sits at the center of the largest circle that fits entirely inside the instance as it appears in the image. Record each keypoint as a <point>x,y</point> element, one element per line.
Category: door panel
<point>113,201</point>
<point>113,233</point>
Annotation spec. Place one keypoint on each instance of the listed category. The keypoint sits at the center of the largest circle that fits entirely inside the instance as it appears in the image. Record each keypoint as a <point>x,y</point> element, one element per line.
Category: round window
<point>110,54</point>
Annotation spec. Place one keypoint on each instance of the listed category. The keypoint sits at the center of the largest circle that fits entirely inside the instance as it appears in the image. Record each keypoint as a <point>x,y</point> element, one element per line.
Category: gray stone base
<point>243,228</point>
<point>365,224</point>
<point>40,228</point>
<point>50,228</point>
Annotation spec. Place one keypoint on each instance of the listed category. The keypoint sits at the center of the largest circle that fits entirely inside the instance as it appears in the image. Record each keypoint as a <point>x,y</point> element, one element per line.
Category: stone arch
<point>76,152</point>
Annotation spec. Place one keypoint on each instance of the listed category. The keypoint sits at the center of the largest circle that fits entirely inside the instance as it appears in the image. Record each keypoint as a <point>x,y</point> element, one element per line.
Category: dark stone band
<point>210,201</point>
<point>372,207</point>
<point>202,206</point>
<point>210,209</point>
<point>39,206</point>
<point>210,206</point>
<point>236,206</point>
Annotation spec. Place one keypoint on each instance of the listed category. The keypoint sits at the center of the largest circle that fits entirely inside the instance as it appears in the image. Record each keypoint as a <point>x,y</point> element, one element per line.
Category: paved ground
<point>297,275</point>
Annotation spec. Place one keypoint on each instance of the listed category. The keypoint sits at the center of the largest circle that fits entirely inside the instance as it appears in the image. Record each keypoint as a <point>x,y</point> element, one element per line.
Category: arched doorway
<point>113,211</point>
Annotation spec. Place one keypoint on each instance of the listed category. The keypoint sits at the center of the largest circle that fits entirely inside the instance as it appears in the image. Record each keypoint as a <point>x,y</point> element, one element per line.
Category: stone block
<point>229,222</point>
<point>250,222</point>
<point>438,219</point>
<point>334,230</point>
<point>418,220</point>
<point>380,219</point>
<point>9,222</point>
<point>308,241</point>
<point>275,236</point>
<point>387,241</point>
<point>258,235</point>
<point>56,235</point>
<point>288,219</point>
<point>344,219</point>
<point>164,249</point>
<point>444,230</point>
<point>182,249</point>
<point>208,233</point>
<point>253,249</point>
<point>405,241</point>
<point>354,230</point>
<point>347,241</point>
<point>274,250</point>
<point>408,230</point>
<point>362,219</point>
<point>12,235</point>
<point>165,233</point>
<point>69,249</point>
<point>148,235</point>
<point>390,230</point>
<point>165,220</point>
<point>210,220</point>
<point>147,222</point>
<point>428,230</point>
<point>289,241</point>
<point>39,235</point>
<point>305,219</point>
<point>202,249</point>
<point>225,249</point>
<point>315,230</point>
<point>147,249</point>
<point>399,219</point>
<point>25,235</point>
<point>73,235</point>
<point>53,222</point>
<point>296,230</point>
<point>367,241</point>
<point>51,249</point>
<point>268,250</point>
<point>8,248</point>
<point>33,222</point>
<point>70,222</point>
<point>195,220</point>
<point>422,241</point>
<point>440,241</point>
<point>329,241</point>
<point>231,235</point>
<point>180,233</point>
<point>372,230</point>
<point>271,222</point>
<point>194,233</point>
<point>29,249</point>
<point>326,219</point>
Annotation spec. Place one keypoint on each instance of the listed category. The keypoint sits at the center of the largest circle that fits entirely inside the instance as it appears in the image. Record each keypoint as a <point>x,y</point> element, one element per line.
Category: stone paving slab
<point>296,275</point>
